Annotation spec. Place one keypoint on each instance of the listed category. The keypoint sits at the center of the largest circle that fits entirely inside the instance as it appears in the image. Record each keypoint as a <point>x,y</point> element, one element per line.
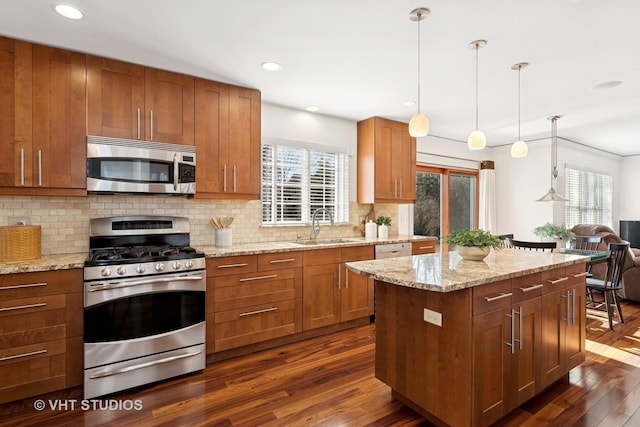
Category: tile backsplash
<point>65,220</point>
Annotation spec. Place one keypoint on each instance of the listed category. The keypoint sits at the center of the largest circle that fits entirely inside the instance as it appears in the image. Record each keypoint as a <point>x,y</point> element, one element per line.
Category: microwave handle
<point>176,171</point>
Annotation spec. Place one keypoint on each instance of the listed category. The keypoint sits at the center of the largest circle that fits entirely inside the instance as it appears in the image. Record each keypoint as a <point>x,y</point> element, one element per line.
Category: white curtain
<point>487,214</point>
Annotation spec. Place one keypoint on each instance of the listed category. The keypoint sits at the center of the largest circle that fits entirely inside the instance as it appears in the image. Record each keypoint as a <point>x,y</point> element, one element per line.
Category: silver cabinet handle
<point>244,264</point>
<point>573,306</point>
<point>234,178</point>
<point>138,123</point>
<point>277,261</point>
<point>117,285</point>
<point>585,273</point>
<point>30,285</point>
<point>22,307</point>
<point>224,178</point>
<point>17,356</point>
<point>519,313</point>
<point>512,343</point>
<point>568,307</point>
<point>40,168</point>
<point>22,166</point>
<point>176,171</point>
<point>395,188</point>
<point>562,279</point>
<point>401,188</point>
<point>151,127</point>
<point>142,365</point>
<point>251,313</point>
<point>248,279</point>
<point>497,297</point>
<point>425,247</point>
<point>532,288</point>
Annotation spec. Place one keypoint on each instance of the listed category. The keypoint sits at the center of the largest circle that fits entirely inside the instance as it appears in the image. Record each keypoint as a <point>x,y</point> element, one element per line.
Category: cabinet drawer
<point>526,287</point>
<point>235,328</point>
<point>423,247</point>
<point>577,273</point>
<point>24,285</point>
<point>32,320</point>
<point>32,369</point>
<point>356,253</point>
<point>279,261</point>
<point>321,256</point>
<point>554,279</point>
<point>247,290</point>
<point>491,296</point>
<point>232,265</point>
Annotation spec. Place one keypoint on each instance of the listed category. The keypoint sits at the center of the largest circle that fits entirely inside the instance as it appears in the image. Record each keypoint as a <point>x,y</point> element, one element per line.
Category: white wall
<point>629,200</point>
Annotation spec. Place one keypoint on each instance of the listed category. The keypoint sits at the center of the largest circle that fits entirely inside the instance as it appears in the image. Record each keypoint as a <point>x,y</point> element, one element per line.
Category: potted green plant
<point>550,232</point>
<point>383,226</point>
<point>473,245</point>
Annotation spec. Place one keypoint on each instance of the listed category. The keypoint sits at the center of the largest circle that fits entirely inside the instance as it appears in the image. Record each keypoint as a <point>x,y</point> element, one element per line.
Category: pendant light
<point>519,148</point>
<point>419,124</point>
<point>477,139</point>
<point>551,195</point>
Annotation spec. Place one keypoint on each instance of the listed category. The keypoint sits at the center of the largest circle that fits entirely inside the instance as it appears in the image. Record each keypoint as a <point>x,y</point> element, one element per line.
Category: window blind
<point>296,181</point>
<point>589,197</point>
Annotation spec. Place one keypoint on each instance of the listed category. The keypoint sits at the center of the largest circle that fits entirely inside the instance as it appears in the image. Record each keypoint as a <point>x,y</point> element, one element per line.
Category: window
<point>298,180</point>
<point>589,197</point>
<point>446,201</point>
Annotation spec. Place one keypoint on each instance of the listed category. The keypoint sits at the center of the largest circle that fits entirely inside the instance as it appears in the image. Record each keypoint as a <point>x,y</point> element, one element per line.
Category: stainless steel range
<point>144,303</point>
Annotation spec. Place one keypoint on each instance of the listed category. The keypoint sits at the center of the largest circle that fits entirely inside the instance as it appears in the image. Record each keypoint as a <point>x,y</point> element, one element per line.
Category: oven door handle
<point>142,365</point>
<point>176,170</point>
<point>144,282</point>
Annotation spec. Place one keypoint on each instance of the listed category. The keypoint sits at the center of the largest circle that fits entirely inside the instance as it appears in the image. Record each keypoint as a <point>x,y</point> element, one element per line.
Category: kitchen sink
<point>310,242</point>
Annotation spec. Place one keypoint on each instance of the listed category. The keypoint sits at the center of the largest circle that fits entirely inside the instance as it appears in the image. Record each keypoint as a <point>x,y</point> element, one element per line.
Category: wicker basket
<point>19,242</point>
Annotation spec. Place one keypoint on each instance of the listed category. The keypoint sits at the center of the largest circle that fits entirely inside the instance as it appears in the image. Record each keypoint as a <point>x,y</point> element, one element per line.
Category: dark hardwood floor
<point>329,381</point>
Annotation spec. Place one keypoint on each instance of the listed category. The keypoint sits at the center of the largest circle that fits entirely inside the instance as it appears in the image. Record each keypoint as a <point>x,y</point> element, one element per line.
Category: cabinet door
<point>59,119</point>
<point>243,154</point>
<point>211,136</point>
<point>15,112</point>
<point>320,296</point>
<point>491,359</point>
<point>403,151</point>
<point>386,184</point>
<point>115,98</point>
<point>169,105</point>
<point>575,351</point>
<point>552,355</point>
<point>356,295</point>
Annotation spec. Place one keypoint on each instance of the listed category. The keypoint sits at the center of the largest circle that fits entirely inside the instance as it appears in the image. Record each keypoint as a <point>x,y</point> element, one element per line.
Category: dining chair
<point>589,243</point>
<point>536,246</point>
<point>611,283</point>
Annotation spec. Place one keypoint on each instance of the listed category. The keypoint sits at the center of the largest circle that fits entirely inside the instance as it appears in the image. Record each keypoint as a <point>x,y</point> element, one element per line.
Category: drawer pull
<point>532,288</point>
<point>248,279</point>
<point>562,279</point>
<point>30,285</point>
<point>20,307</point>
<point>584,273</point>
<point>251,313</point>
<point>276,261</point>
<point>17,356</point>
<point>244,264</point>
<point>126,369</point>
<point>497,297</point>
<point>425,247</point>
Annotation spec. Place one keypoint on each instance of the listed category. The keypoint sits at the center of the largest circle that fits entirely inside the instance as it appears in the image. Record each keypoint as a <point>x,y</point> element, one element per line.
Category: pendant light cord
<point>519,69</point>
<point>419,14</point>
<point>477,46</point>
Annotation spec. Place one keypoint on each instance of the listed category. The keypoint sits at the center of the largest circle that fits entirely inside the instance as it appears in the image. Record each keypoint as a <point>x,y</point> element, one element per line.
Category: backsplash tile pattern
<point>65,220</point>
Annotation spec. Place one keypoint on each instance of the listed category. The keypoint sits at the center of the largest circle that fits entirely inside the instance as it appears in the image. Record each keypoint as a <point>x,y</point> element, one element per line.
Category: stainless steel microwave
<point>129,166</point>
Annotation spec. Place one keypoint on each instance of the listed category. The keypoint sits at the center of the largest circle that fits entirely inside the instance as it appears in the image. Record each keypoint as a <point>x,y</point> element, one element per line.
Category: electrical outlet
<point>433,317</point>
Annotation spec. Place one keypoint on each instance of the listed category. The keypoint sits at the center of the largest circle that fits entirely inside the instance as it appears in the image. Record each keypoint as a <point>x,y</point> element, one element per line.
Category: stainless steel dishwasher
<point>392,250</point>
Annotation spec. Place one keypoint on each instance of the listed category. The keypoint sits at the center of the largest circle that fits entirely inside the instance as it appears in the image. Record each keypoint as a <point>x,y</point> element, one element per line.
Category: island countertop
<point>447,271</point>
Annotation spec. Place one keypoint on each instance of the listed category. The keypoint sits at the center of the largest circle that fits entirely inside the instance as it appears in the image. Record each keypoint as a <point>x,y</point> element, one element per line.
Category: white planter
<point>383,232</point>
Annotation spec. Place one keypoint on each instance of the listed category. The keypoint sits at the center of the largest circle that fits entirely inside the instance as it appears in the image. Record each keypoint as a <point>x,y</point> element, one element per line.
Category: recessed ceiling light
<point>607,85</point>
<point>312,108</point>
<point>68,11</point>
<point>271,66</point>
<point>408,103</point>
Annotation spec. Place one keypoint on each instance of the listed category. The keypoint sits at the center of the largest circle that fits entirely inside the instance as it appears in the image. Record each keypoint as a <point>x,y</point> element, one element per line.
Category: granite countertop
<point>446,272</point>
<point>76,260</point>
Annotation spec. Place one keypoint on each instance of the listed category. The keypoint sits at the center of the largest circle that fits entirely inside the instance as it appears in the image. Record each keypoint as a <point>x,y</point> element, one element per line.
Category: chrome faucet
<point>315,225</point>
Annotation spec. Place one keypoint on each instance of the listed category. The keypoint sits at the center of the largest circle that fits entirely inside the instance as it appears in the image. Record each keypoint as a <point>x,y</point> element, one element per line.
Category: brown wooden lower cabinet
<point>498,344</point>
<point>40,333</point>
<point>421,247</point>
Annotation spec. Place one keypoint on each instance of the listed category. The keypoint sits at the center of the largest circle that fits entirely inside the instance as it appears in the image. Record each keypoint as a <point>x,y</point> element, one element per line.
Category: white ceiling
<point>358,58</point>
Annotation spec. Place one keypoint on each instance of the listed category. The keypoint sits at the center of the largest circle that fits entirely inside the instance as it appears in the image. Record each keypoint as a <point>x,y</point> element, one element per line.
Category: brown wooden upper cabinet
<point>42,120</point>
<point>227,135</point>
<point>386,162</point>
<point>135,102</point>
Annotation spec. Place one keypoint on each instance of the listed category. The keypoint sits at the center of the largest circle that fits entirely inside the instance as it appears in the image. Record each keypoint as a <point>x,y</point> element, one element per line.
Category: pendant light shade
<point>552,195</point>
<point>519,148</point>
<point>477,139</point>
<point>419,124</point>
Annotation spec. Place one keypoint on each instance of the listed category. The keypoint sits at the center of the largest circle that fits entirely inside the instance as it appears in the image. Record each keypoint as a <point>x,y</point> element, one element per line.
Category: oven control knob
<point>159,266</point>
<point>105,272</point>
<point>121,270</point>
<point>176,265</point>
<point>188,264</point>
<point>140,269</point>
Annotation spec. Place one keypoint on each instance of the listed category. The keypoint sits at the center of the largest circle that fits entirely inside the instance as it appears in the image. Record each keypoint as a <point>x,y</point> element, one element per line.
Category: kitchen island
<point>463,343</point>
